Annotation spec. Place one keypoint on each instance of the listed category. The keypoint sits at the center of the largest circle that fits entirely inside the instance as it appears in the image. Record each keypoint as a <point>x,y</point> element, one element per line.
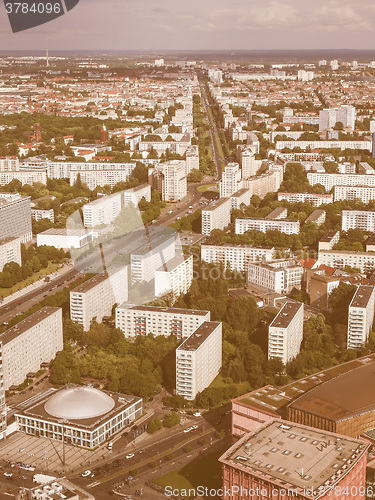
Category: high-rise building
<point>230,180</point>
<point>285,333</point>
<point>9,164</point>
<point>94,299</point>
<point>216,215</point>
<point>346,115</point>
<point>170,180</point>
<point>361,219</point>
<point>28,344</point>
<point>241,197</point>
<point>10,251</point>
<point>104,135</point>
<point>284,460</point>
<point>236,257</point>
<point>102,211</point>
<point>321,288</point>
<point>15,217</point>
<point>175,276</point>
<point>136,320</point>
<point>192,159</point>
<point>361,316</point>
<point>198,360</point>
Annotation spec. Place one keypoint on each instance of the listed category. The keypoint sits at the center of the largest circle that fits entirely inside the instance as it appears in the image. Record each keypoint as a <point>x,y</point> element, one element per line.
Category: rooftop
<point>200,335</point>
<point>66,232</point>
<point>295,455</point>
<point>215,204</point>
<point>172,264</point>
<point>286,314</point>
<point>328,236</point>
<point>7,240</point>
<point>362,296</point>
<point>96,280</point>
<point>315,215</point>
<point>27,323</point>
<point>169,310</point>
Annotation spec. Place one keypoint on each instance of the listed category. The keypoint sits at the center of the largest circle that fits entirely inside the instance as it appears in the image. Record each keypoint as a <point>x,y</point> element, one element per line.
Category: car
<point>87,473</point>
<point>110,446</point>
<point>22,450</point>
<point>8,474</point>
<point>131,455</point>
<point>191,206</point>
<point>197,414</point>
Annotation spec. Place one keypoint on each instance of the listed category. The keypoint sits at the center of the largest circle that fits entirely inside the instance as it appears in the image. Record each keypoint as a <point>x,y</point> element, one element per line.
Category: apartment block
<point>277,214</point>
<point>199,360</point>
<point>361,317</point>
<point>235,257</point>
<point>65,238</point>
<point>329,180</point>
<point>96,178</point>
<point>328,240</point>
<point>192,159</point>
<point>136,320</point>
<point>321,288</point>
<point>358,219</point>
<point>266,183</point>
<point>279,276</point>
<point>340,258</point>
<point>39,214</point>
<point>9,164</point>
<point>27,345</point>
<point>241,197</point>
<point>10,251</point>
<point>170,180</point>
<point>286,226</point>
<point>318,217</point>
<point>102,211</point>
<point>363,193</point>
<point>24,176</point>
<point>315,199</point>
<point>249,165</point>
<point>94,299</point>
<point>62,170</point>
<point>15,217</point>
<point>135,195</point>
<point>216,215</point>
<point>175,276</point>
<point>231,181</point>
<point>365,145</point>
<point>285,333</point>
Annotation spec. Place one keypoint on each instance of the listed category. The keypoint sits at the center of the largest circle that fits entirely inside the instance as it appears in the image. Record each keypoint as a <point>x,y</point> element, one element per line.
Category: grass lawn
<point>205,471</point>
<point>242,387</point>
<point>208,187</point>
<point>4,292</point>
<point>219,148</point>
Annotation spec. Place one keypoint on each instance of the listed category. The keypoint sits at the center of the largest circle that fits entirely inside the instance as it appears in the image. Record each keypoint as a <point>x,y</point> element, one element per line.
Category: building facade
<point>102,211</point>
<point>364,261</point>
<point>10,251</point>
<point>285,333</point>
<point>15,217</point>
<point>175,276</point>
<point>279,276</point>
<point>361,317</point>
<point>216,215</point>
<point>287,226</point>
<point>361,219</point>
<point>230,180</point>
<point>314,199</point>
<point>235,257</point>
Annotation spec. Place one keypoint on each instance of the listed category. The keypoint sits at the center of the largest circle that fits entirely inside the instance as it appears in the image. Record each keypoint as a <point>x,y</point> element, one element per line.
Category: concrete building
<point>330,181</point>
<point>39,214</point>
<point>192,159</point>
<point>364,168</point>
<point>142,320</point>
<point>175,276</point>
<point>327,119</point>
<point>235,257</point>
<point>321,288</point>
<point>241,197</point>
<point>94,299</point>
<point>79,415</point>
<point>361,317</point>
<point>10,251</point>
<point>363,193</point>
<point>370,243</point>
<point>318,217</point>
<point>24,176</point>
<point>15,217</point>
<point>279,276</point>
<point>216,215</point>
<point>170,180</point>
<point>230,180</point>
<point>199,360</point>
<point>35,340</point>
<point>285,333</point>
<point>135,195</point>
<point>300,463</point>
<point>365,145</point>
<point>277,214</point>
<point>266,183</point>
<point>340,258</point>
<point>249,165</point>
<point>104,177</point>
<point>314,199</point>
<point>361,219</point>
<point>65,238</point>
<point>63,169</point>
<point>287,226</point>
<point>328,240</point>
<point>102,211</point>
<point>344,114</point>
<point>9,164</point>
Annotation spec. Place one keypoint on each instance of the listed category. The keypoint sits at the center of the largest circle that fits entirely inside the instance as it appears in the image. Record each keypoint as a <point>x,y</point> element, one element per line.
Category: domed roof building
<point>78,415</point>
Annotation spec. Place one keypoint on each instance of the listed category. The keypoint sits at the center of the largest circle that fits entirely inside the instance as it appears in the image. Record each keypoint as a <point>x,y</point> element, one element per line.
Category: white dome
<point>78,403</point>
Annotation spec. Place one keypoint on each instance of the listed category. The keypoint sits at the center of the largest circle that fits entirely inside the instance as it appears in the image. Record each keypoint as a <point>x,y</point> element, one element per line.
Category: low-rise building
<point>318,217</point>
<point>198,360</point>
<point>351,193</point>
<point>361,316</point>
<point>285,333</point>
<point>136,320</point>
<point>39,214</point>
<point>321,288</point>
<point>10,251</point>
<point>65,238</point>
<point>314,199</point>
<point>364,261</point>
<point>278,213</point>
<point>287,226</point>
<point>25,346</point>
<point>241,197</point>
<point>279,276</point>
<point>328,240</point>
<point>216,215</point>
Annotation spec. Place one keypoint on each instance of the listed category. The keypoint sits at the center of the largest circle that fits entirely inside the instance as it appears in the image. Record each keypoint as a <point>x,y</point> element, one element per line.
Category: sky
<point>201,25</point>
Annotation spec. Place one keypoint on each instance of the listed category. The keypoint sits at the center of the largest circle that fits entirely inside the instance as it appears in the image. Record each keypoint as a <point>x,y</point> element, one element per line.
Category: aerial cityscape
<point>187,251</point>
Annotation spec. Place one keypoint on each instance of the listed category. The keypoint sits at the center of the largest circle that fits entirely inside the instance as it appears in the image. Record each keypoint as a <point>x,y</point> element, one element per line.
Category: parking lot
<point>48,455</point>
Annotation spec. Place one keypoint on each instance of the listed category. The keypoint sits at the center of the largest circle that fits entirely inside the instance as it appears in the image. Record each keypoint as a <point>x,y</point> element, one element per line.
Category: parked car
<point>197,414</point>
<point>131,455</point>
<point>87,473</point>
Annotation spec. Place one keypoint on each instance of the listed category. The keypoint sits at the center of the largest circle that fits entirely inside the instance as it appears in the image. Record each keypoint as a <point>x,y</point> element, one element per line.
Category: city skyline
<point>116,25</point>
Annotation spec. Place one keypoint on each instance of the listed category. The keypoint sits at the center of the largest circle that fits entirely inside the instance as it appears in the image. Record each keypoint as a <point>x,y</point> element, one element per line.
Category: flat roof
<point>362,296</point>
<point>286,315</point>
<point>169,310</point>
<point>200,335</point>
<point>327,237</point>
<point>66,232</point>
<point>234,245</point>
<point>268,220</point>
<point>268,398</point>
<point>7,240</point>
<point>95,280</point>
<point>27,323</point>
<point>341,397</point>
<point>276,212</point>
<point>172,264</point>
<point>295,455</point>
<point>239,193</point>
<point>215,204</point>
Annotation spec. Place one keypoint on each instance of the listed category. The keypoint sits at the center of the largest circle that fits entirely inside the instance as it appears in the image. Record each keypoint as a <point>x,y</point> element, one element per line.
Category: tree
<point>171,420</point>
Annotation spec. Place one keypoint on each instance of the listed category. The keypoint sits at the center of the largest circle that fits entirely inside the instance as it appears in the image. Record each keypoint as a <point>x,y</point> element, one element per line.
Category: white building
<point>192,159</point>
<point>361,317</point>
<point>327,119</point>
<point>104,177</point>
<point>199,360</point>
<point>364,261</point>
<point>63,169</point>
<point>361,219</point>
<point>9,164</point>
<point>175,276</point>
<point>346,115</point>
<point>314,199</point>
<point>279,276</point>
<point>268,182</point>
<point>136,320</point>
<point>10,251</point>
<point>286,226</point>
<point>94,299</point>
<point>305,76</point>
<point>285,333</point>
<point>39,214</point>
<point>363,193</point>
<point>135,195</point>
<point>230,180</point>
<point>28,344</point>
<point>24,176</point>
<point>318,217</point>
<point>249,165</point>
<point>170,180</point>
<point>102,211</point>
<point>65,238</point>
<point>332,180</point>
<point>216,215</point>
<point>241,197</point>
<point>235,257</point>
<point>366,145</point>
<point>15,217</point>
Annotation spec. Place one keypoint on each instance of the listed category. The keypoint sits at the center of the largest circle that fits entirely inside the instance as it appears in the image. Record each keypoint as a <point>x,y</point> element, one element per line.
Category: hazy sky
<point>202,24</point>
